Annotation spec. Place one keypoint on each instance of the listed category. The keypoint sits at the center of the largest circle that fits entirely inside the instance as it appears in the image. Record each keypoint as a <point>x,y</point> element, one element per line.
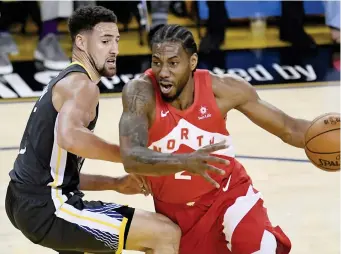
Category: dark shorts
<point>73,225</point>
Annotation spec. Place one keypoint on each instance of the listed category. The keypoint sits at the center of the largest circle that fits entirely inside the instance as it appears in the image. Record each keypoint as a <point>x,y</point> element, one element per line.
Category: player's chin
<point>109,72</point>
<point>169,97</point>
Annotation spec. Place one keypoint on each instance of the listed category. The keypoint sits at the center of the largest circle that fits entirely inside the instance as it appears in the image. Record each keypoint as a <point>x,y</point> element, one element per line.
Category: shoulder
<point>228,80</point>
<point>138,91</point>
<point>141,86</point>
<point>75,86</point>
<point>231,86</point>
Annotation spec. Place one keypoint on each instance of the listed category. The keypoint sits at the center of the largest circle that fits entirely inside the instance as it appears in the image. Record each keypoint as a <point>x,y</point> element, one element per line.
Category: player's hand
<point>144,184</point>
<point>132,184</point>
<point>198,162</point>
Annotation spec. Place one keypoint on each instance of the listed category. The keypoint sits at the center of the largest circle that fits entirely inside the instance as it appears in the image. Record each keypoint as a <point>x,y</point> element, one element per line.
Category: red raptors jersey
<point>184,131</point>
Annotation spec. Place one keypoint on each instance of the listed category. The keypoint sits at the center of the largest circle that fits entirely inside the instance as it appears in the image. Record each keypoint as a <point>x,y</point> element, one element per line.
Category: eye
<point>156,63</point>
<point>105,42</point>
<point>173,64</point>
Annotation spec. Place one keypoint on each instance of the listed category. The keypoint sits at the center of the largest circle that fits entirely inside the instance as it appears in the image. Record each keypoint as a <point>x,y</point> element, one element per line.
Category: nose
<point>114,49</point>
<point>164,73</point>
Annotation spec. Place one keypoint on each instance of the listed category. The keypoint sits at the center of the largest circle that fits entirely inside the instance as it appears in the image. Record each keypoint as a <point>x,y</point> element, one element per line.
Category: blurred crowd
<point>47,14</point>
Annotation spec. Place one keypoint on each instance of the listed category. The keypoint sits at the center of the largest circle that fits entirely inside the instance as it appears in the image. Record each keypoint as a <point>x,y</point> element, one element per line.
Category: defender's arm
<point>126,184</point>
<point>73,119</point>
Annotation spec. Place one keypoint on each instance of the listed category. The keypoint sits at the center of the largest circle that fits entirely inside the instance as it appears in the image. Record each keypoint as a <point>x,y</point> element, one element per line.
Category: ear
<point>193,61</point>
<point>81,42</point>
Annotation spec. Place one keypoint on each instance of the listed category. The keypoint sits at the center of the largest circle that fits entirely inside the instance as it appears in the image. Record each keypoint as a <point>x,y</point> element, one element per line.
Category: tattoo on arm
<point>134,124</point>
<point>134,120</point>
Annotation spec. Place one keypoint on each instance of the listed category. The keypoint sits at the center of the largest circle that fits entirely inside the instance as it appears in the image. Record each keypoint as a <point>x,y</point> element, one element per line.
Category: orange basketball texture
<point>322,142</point>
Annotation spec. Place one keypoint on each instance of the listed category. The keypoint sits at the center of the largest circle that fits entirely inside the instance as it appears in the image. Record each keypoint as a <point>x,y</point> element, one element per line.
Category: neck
<point>82,58</point>
<point>186,97</point>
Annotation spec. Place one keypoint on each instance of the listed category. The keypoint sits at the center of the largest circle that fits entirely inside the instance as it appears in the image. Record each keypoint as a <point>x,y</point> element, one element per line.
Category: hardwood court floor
<point>302,199</point>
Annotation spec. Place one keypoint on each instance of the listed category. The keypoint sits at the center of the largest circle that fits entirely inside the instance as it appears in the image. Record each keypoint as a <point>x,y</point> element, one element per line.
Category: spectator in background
<point>291,28</point>
<point>159,15</point>
<point>332,14</point>
<point>11,12</point>
<point>215,30</point>
<point>48,49</point>
<point>48,13</point>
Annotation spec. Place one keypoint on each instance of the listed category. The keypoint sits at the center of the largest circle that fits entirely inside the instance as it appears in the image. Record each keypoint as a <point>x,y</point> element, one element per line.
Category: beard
<point>102,70</point>
<point>170,99</point>
<point>105,72</point>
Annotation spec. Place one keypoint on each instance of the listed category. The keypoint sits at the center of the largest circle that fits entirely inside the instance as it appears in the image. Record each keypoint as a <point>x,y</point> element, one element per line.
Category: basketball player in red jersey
<point>172,112</point>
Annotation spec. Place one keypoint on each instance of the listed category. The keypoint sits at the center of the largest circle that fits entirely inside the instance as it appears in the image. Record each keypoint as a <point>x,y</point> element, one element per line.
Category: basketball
<point>322,142</point>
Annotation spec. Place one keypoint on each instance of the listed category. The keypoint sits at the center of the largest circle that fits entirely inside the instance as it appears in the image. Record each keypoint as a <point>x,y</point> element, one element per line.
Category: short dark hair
<point>86,17</point>
<point>176,33</point>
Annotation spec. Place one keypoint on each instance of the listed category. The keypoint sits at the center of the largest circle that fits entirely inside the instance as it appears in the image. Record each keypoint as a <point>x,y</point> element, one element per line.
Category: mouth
<point>166,88</point>
<point>111,62</point>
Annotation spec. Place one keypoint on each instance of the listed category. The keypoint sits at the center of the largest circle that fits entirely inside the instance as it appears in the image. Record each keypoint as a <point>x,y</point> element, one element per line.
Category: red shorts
<point>230,220</point>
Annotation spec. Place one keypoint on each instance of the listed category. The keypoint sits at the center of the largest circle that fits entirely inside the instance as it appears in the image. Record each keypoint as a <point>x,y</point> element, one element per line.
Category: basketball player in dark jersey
<point>43,198</point>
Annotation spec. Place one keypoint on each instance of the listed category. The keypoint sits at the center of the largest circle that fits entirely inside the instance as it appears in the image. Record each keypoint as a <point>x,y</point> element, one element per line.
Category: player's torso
<point>176,131</point>
<point>40,160</point>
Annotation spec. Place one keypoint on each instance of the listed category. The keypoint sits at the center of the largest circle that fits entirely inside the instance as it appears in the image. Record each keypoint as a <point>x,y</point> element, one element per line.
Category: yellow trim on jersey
<point>56,175</point>
<point>121,236</point>
<point>95,221</point>
<point>59,157</point>
<point>54,185</point>
<point>82,217</point>
<point>78,63</point>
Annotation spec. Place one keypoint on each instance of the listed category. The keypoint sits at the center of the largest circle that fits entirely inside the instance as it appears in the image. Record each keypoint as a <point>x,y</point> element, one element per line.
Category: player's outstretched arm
<point>290,130</point>
<point>138,103</point>
<point>126,184</point>
<point>77,107</point>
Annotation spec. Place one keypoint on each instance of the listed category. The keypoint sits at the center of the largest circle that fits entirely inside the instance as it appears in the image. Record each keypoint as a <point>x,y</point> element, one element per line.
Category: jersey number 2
<point>180,176</point>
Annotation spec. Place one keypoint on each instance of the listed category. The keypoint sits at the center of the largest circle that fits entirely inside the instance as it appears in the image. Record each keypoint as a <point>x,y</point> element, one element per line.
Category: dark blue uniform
<point>43,199</point>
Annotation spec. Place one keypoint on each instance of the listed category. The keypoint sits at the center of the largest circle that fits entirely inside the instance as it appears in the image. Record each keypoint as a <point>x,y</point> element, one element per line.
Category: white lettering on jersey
<point>187,134</point>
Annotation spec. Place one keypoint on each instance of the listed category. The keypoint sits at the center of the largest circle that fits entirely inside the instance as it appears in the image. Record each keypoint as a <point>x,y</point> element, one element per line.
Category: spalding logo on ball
<point>322,142</point>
